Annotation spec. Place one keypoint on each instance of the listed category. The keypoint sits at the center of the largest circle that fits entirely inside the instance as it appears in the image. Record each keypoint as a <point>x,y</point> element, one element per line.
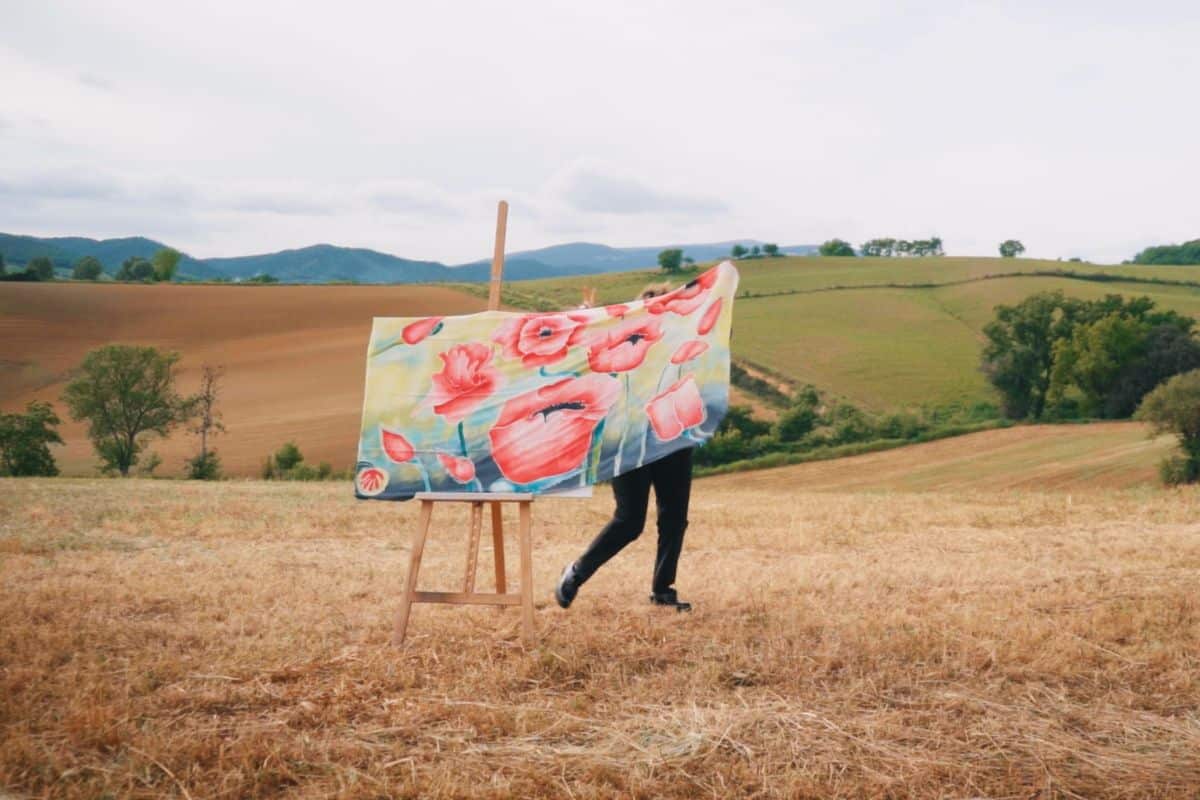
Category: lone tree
<point>165,263</point>
<point>771,250</point>
<point>41,268</point>
<point>1011,248</point>
<point>135,269</point>
<point>1174,407</point>
<point>202,408</point>
<point>87,268</point>
<point>738,251</point>
<point>25,440</point>
<point>670,260</point>
<point>125,393</point>
<point>836,247</point>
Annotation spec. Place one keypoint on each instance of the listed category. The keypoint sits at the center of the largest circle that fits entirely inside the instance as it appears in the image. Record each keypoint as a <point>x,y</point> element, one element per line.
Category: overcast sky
<point>230,128</point>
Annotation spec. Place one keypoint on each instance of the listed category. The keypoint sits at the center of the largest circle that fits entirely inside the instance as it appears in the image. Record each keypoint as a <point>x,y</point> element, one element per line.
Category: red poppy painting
<point>709,318</point>
<point>544,401</point>
<point>417,331</point>
<point>625,347</point>
<point>459,468</point>
<point>685,299</point>
<point>689,350</point>
<point>395,446</point>
<point>678,408</point>
<point>548,431</point>
<point>466,380</point>
<point>540,339</point>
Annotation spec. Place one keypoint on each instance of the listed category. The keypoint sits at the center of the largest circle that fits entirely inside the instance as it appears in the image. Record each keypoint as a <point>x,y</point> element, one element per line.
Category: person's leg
<point>672,479</point>
<point>631,492</point>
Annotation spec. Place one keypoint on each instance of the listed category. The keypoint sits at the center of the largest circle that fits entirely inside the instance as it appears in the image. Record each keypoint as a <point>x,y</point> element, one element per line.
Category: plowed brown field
<point>294,355</point>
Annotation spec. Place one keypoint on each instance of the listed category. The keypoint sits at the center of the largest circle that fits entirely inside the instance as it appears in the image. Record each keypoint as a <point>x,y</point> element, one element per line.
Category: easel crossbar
<point>501,597</point>
<point>474,598</point>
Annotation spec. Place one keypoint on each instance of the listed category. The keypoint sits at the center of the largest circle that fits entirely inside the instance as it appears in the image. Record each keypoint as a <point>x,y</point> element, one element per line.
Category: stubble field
<point>168,639</point>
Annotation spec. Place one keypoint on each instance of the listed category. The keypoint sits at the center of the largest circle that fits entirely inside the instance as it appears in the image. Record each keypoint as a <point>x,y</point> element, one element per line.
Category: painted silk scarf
<point>505,402</point>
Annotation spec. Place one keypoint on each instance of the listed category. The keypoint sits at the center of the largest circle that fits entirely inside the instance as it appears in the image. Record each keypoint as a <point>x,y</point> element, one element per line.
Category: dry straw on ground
<point>230,640</point>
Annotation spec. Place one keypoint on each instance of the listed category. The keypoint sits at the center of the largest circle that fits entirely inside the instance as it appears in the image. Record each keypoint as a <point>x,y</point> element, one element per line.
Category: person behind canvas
<point>671,478</point>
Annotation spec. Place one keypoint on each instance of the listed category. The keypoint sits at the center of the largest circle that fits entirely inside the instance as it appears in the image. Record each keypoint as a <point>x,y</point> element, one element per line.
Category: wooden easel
<point>468,595</point>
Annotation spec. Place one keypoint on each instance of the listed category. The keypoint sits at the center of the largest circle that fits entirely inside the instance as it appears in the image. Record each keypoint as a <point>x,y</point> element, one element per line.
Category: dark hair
<point>654,290</point>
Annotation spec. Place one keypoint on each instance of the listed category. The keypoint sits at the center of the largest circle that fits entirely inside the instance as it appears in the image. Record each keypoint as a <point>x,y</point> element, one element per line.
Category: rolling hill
<point>64,251</point>
<point>323,263</point>
<point>885,333</point>
<point>294,354</point>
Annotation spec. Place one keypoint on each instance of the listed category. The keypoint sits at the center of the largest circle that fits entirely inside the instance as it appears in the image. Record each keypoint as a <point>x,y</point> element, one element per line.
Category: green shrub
<point>1177,470</point>
<point>25,440</point>
<point>302,472</point>
<point>288,457</point>
<point>742,420</point>
<point>1174,407</point>
<point>796,423</point>
<point>204,466</point>
<point>850,424</point>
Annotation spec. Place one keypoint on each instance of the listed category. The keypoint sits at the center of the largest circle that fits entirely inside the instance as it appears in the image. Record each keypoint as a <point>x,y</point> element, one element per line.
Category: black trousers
<point>671,478</point>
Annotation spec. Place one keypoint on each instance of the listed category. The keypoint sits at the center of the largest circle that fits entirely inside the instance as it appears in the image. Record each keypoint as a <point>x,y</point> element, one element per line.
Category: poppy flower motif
<point>709,318</point>
<point>371,481</point>
<point>686,298</point>
<point>466,380</point>
<point>395,446</point>
<point>617,310</point>
<point>678,408</point>
<point>540,339</point>
<point>417,331</point>
<point>461,469</point>
<point>624,347</point>
<point>688,350</point>
<point>548,431</point>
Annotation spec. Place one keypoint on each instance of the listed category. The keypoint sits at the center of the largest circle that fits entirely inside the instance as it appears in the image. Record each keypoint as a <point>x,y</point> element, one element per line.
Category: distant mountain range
<point>322,263</point>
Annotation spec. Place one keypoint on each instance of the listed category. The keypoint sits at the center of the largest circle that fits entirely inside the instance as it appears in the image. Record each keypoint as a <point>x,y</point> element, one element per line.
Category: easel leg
<point>498,549</point>
<point>414,566</point>
<point>473,547</point>
<point>526,572</point>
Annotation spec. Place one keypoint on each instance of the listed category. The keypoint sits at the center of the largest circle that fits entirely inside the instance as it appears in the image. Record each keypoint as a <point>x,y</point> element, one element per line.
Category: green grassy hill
<point>885,333</point>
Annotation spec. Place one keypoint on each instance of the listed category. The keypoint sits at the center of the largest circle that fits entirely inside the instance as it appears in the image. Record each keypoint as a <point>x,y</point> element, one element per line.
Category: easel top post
<point>498,256</point>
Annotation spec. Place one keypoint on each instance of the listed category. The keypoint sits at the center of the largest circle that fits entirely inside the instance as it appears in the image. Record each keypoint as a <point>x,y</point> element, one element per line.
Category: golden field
<point>850,639</point>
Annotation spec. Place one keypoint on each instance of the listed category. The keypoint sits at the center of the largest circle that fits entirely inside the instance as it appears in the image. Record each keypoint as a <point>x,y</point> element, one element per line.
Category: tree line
<point>126,394</point>
<point>1053,357</point>
<point>1170,254</point>
<point>889,247</point>
<point>159,268</point>
<point>673,259</point>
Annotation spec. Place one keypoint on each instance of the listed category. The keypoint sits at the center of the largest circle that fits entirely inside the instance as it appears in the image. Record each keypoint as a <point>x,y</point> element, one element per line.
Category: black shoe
<point>669,598</point>
<point>568,585</point>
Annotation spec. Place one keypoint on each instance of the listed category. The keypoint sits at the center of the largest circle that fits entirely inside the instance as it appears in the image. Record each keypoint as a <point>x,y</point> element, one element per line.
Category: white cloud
<point>233,127</point>
<point>595,189</point>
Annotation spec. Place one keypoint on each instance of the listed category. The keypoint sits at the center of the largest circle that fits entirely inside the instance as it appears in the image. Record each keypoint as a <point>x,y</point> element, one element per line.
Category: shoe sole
<point>558,597</point>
